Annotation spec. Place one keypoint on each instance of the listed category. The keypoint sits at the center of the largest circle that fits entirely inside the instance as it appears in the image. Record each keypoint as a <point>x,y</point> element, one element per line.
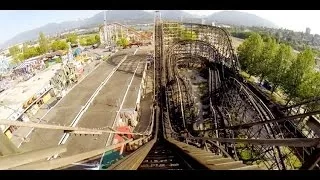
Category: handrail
<point>219,147</point>
<point>14,160</point>
<point>65,161</point>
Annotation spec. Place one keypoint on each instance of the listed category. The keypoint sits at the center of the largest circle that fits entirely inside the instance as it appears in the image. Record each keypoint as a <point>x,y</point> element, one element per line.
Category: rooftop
<point>14,97</point>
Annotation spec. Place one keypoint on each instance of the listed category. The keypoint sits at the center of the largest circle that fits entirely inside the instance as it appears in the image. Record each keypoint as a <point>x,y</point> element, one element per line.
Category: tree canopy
<point>90,40</point>
<point>188,35</point>
<point>59,45</point>
<point>268,53</point>
<point>280,66</point>
<point>43,43</point>
<point>300,70</point>
<point>32,52</point>
<point>123,42</point>
<point>249,53</point>
<point>310,86</point>
<point>72,38</point>
<point>14,50</point>
<point>15,53</point>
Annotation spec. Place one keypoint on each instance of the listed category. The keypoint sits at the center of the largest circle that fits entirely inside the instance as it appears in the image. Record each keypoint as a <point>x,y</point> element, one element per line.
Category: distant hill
<point>140,17</point>
<point>176,15</point>
<point>240,19</point>
<point>122,16</point>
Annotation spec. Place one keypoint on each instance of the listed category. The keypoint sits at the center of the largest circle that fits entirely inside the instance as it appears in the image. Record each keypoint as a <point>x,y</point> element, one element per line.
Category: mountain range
<point>141,17</point>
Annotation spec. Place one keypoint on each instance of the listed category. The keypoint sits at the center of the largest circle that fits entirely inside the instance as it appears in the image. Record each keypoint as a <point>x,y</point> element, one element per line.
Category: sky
<point>16,21</point>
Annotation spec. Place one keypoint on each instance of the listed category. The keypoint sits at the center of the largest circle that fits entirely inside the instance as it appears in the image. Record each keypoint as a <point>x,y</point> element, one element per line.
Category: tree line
<point>276,63</point>
<point>286,38</point>
<point>45,46</point>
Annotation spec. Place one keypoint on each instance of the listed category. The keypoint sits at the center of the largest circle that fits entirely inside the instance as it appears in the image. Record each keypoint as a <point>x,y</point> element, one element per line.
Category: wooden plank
<point>65,128</point>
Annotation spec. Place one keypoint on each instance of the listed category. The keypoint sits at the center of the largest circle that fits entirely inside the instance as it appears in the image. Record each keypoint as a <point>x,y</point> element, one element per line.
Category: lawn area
<point>236,42</point>
<point>247,76</point>
<point>278,96</point>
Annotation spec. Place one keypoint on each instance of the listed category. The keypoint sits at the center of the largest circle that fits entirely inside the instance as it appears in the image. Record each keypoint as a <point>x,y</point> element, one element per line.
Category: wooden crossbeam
<point>291,142</point>
<point>76,130</point>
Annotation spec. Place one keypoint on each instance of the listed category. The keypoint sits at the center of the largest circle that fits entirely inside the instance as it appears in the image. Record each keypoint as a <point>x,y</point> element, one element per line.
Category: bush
<point>59,60</point>
<point>47,64</point>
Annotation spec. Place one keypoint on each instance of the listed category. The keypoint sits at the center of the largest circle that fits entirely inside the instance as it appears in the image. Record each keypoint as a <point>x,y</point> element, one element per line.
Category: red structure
<point>118,138</point>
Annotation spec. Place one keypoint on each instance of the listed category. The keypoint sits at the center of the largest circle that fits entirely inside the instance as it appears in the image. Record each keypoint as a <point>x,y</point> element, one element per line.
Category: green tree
<point>188,35</point>
<point>72,38</point>
<point>15,50</point>
<point>241,35</point>
<point>16,59</point>
<point>43,43</point>
<point>181,33</point>
<point>91,40</point>
<point>279,65</point>
<point>59,45</point>
<point>20,57</point>
<point>249,53</point>
<point>310,86</point>
<point>123,42</point>
<point>59,60</point>
<point>24,47</point>
<point>301,67</point>
<point>97,38</point>
<point>32,52</point>
<point>268,53</point>
<point>83,42</point>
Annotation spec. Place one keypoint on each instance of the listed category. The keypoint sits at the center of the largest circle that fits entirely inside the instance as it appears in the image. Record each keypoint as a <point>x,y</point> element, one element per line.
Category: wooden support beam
<point>65,161</point>
<point>83,132</point>
<point>301,103</point>
<point>6,146</point>
<point>64,128</point>
<point>249,125</point>
<point>15,160</point>
<point>292,142</point>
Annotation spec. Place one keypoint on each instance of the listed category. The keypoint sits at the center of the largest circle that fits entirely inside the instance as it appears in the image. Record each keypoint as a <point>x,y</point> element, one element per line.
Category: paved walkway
<point>146,104</point>
<point>21,135</point>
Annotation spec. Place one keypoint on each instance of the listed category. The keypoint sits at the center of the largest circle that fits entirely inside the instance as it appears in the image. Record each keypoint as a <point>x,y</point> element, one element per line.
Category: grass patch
<point>247,76</point>
<point>275,97</point>
<point>291,159</point>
